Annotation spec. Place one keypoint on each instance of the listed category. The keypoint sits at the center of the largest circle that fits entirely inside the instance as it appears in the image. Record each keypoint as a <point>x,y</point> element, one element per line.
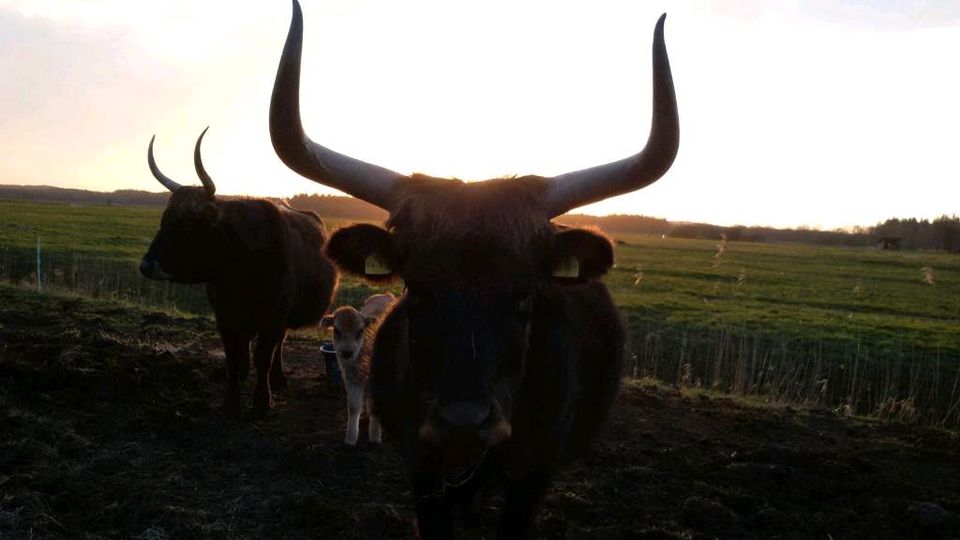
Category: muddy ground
<point>110,428</point>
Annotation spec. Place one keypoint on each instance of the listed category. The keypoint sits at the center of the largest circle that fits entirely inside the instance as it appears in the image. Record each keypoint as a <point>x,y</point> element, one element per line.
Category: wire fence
<point>886,380</point>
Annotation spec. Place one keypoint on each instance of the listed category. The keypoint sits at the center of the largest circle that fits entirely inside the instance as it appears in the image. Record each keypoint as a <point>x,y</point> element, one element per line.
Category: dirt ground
<point>110,428</point>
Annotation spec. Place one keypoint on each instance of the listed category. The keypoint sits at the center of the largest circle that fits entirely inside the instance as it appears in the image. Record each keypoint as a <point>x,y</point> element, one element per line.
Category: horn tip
<point>200,138</point>
<point>297,10</point>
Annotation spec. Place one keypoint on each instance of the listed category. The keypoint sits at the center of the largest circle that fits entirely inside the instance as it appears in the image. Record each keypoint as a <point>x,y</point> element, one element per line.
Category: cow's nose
<point>146,267</point>
<point>465,415</point>
<point>481,421</point>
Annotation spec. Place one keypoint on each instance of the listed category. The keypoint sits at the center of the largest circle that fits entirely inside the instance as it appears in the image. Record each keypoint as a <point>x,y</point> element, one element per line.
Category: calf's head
<point>477,258</point>
<point>348,326</point>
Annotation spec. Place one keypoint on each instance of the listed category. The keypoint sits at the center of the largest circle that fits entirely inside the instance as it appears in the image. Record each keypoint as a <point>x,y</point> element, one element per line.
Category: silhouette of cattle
<point>263,266</point>
<point>505,352</point>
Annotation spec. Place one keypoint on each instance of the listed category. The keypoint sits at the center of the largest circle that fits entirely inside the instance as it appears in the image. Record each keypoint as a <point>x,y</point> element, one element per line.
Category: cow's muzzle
<point>151,269</point>
<point>479,421</point>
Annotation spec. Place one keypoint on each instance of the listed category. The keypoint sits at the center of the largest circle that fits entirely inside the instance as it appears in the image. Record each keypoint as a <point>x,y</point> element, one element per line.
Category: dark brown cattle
<point>505,352</point>
<point>263,266</point>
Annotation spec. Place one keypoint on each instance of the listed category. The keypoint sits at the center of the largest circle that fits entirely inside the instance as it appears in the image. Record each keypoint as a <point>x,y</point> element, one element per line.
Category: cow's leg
<point>236,348</point>
<point>278,381</point>
<point>354,407</point>
<point>520,505</point>
<point>267,341</point>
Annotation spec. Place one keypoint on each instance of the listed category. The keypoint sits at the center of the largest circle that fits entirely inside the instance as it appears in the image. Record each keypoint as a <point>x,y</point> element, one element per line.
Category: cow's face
<point>348,332</point>
<point>474,269</point>
<point>185,248</point>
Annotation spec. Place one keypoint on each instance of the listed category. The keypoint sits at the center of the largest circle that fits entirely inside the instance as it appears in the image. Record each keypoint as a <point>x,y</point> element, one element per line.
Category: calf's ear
<point>364,250</point>
<point>580,255</point>
<point>326,321</point>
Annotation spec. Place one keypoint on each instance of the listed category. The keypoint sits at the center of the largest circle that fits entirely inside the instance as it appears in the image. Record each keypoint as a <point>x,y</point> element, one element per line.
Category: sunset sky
<point>824,113</point>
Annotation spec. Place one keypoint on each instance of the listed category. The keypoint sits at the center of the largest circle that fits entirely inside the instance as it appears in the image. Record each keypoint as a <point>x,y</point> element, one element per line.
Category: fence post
<point>39,290</point>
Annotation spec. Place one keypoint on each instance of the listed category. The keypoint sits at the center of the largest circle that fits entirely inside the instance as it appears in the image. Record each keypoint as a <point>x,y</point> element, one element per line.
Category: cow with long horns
<point>263,266</point>
<point>505,353</point>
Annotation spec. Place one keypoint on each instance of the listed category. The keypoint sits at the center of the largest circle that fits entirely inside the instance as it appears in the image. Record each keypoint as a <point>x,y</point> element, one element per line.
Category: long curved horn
<point>570,190</point>
<point>198,164</point>
<point>363,180</point>
<point>167,183</point>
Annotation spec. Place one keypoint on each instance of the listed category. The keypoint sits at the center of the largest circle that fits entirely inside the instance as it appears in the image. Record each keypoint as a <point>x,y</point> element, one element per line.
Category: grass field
<point>870,331</point>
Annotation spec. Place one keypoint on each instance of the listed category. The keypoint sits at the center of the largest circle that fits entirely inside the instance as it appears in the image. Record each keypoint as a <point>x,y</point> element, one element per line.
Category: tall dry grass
<point>892,382</point>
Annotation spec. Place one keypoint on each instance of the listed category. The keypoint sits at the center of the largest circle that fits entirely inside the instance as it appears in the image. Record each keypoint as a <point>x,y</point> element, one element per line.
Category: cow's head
<point>475,257</point>
<point>185,247</point>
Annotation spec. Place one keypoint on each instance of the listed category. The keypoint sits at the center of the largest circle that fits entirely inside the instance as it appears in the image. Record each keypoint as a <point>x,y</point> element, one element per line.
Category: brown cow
<point>263,266</point>
<point>505,352</point>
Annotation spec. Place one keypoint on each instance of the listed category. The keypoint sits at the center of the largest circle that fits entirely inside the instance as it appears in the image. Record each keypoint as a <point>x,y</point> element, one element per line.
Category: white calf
<point>350,329</point>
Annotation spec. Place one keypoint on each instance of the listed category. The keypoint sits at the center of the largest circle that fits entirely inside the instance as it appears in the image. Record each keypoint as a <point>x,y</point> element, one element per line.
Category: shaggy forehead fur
<point>489,227</point>
<point>184,203</point>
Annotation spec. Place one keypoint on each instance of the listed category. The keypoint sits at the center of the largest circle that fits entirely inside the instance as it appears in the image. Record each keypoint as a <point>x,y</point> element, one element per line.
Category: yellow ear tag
<point>375,266</point>
<point>567,268</point>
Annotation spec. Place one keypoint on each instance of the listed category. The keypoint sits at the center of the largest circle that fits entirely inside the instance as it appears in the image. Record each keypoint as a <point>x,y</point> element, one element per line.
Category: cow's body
<point>485,321</point>
<point>264,270</point>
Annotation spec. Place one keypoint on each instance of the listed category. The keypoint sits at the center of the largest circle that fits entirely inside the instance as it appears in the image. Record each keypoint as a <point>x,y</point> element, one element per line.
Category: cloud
<point>70,90</point>
<point>887,15</point>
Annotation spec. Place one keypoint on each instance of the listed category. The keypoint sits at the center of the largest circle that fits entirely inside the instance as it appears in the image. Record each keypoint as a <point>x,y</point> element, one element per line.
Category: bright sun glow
<point>801,114</point>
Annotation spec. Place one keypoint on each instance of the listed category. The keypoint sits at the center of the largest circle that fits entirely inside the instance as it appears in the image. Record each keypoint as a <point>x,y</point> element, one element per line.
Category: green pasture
<point>112,232</point>
<point>791,289</point>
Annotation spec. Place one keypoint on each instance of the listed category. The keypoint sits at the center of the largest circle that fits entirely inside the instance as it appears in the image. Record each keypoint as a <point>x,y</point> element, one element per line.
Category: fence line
<point>888,380</point>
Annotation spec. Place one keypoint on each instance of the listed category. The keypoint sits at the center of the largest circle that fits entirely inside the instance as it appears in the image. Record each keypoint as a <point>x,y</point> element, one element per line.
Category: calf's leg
<point>354,406</point>
<point>267,341</point>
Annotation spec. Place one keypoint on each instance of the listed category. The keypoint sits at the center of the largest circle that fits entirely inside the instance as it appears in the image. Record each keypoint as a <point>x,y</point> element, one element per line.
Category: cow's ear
<point>580,255</point>
<point>364,250</point>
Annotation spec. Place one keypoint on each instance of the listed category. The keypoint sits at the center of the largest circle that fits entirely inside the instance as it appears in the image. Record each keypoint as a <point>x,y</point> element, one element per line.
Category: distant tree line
<point>126,197</point>
<point>943,233</point>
